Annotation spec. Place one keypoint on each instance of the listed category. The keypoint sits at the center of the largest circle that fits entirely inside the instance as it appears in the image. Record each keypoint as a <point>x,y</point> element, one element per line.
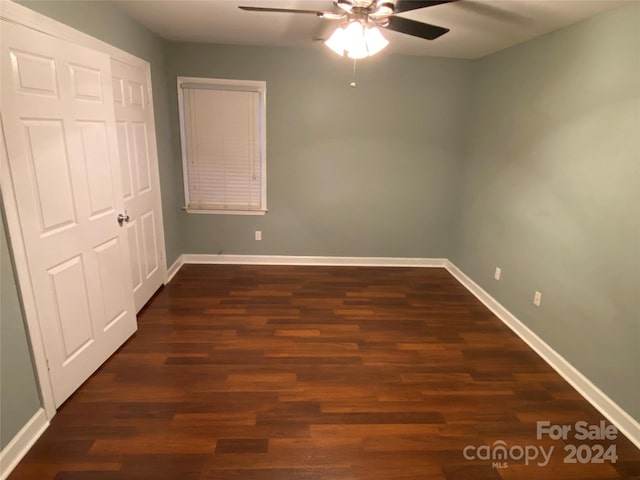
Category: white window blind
<point>222,125</point>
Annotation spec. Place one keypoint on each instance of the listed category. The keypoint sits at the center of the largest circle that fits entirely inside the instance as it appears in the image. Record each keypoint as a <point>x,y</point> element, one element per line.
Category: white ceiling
<point>478,27</point>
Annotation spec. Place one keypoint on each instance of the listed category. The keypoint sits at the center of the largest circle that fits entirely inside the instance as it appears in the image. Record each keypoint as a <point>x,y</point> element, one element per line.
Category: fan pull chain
<point>353,83</point>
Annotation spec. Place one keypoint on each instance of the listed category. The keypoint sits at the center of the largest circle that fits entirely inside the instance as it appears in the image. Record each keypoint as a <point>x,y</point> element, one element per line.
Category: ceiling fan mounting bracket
<point>358,14</point>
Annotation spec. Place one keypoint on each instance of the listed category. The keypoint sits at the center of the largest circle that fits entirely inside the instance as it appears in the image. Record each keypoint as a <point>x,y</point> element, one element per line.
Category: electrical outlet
<point>258,235</point>
<point>537,298</point>
<point>498,273</point>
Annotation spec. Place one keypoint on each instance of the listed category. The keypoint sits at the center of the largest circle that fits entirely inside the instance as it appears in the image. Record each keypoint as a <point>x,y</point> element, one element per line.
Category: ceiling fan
<point>358,35</point>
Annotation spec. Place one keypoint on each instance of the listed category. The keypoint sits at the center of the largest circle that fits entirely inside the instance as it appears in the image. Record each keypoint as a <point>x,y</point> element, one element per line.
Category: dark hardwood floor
<point>317,373</point>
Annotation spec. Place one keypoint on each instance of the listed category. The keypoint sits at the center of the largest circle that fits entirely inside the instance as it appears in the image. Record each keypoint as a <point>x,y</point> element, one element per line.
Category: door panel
<point>109,257</point>
<point>150,241</point>
<point>69,285</point>
<point>34,74</point>
<point>136,93</point>
<point>134,251</point>
<point>125,159</point>
<point>49,162</point>
<point>95,151</point>
<point>86,83</point>
<point>141,155</point>
<point>60,134</point>
<point>141,190</point>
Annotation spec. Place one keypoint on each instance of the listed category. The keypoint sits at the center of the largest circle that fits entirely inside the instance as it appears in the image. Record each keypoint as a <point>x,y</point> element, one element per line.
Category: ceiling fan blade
<point>286,10</point>
<point>406,5</point>
<point>416,29</point>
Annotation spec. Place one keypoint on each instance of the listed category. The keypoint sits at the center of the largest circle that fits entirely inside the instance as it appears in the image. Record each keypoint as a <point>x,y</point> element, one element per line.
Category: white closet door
<point>60,133</point>
<point>140,181</point>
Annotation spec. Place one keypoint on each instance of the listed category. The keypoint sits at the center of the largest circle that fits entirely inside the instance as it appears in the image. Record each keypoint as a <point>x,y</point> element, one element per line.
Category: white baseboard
<point>626,424</point>
<point>303,260</point>
<point>174,268</point>
<point>22,442</point>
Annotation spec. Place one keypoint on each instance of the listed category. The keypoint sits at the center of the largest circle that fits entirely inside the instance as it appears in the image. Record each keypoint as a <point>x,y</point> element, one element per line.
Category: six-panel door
<point>139,178</point>
<point>60,134</point>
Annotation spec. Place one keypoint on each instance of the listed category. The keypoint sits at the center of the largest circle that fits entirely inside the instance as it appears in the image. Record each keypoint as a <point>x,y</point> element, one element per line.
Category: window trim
<point>258,86</point>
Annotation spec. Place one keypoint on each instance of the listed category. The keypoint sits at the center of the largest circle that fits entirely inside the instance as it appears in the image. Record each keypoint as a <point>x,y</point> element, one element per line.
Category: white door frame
<point>14,13</point>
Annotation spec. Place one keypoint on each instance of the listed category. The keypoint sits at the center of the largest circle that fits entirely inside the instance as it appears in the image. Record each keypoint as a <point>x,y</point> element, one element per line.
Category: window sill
<point>224,212</point>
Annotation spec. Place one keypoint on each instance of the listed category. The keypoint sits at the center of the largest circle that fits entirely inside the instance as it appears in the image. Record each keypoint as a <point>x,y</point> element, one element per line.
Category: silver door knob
<point>123,218</point>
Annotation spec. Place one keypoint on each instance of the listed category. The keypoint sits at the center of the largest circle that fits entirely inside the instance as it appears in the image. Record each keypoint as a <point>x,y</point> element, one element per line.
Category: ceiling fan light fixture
<point>375,40</point>
<point>336,41</point>
<point>357,40</point>
<point>356,43</point>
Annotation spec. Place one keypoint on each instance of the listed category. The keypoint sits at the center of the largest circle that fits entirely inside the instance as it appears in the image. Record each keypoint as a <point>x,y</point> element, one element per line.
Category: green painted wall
<point>103,20</point>
<point>19,398</point>
<point>369,171</point>
<point>551,193</point>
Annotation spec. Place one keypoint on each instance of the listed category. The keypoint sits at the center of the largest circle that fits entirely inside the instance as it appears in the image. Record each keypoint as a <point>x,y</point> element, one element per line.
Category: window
<point>222,130</point>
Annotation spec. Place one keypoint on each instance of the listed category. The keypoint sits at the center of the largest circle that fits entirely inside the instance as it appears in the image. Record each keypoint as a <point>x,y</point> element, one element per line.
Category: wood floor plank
<point>242,372</point>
